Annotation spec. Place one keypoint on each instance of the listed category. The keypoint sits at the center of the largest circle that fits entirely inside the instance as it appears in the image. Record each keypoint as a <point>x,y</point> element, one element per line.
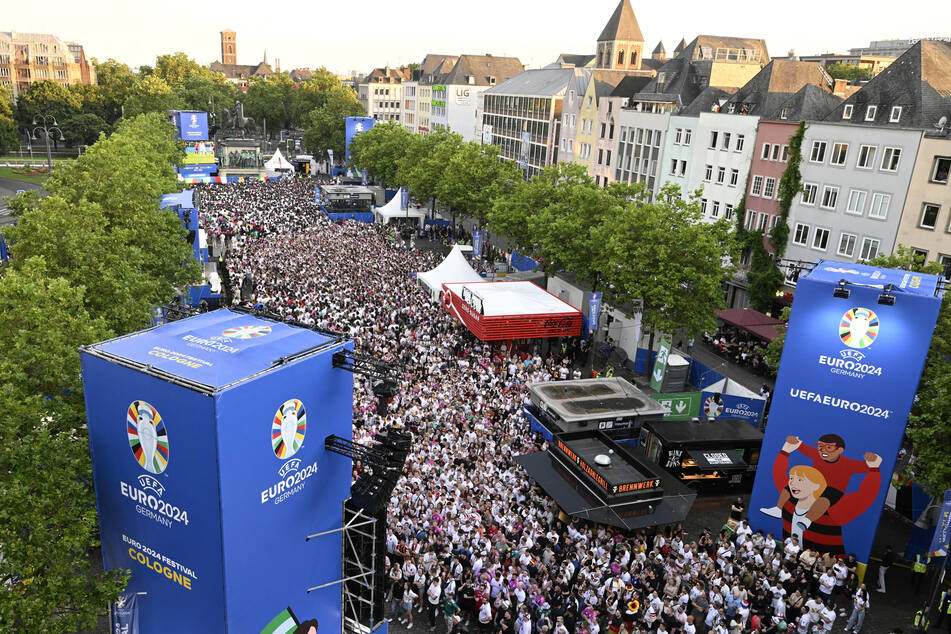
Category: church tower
<point>229,50</point>
<point>621,44</point>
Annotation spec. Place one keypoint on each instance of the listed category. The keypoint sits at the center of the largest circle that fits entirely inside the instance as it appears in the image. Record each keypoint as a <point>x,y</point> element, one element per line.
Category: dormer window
<point>847,111</point>
<point>870,113</point>
<point>471,79</point>
<point>784,113</point>
<point>491,81</point>
<point>895,116</point>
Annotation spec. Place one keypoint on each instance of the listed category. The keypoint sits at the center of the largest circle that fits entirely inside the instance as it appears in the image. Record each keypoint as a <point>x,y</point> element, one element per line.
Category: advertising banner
<point>192,126</point>
<point>210,478</point>
<point>487,134</point>
<point>4,256</point>
<point>199,153</point>
<point>404,198</point>
<point>942,532</point>
<point>717,405</point>
<point>477,243</point>
<point>526,146</point>
<point>594,311</point>
<point>363,176</point>
<point>847,379</point>
<point>125,614</point>
<point>198,171</point>
<point>681,405</point>
<point>354,126</point>
<point>660,365</point>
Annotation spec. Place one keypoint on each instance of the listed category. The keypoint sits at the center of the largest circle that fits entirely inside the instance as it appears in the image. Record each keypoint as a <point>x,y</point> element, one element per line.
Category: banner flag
<point>477,243</point>
<point>594,312</point>
<point>942,532</point>
<point>125,614</point>
<point>404,198</point>
<point>363,176</point>
<point>660,365</point>
<point>283,623</point>
<point>855,348</point>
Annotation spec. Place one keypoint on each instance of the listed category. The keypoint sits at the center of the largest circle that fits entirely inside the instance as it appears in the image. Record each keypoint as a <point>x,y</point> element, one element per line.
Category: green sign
<point>439,88</point>
<point>660,365</point>
<point>439,102</point>
<point>681,405</point>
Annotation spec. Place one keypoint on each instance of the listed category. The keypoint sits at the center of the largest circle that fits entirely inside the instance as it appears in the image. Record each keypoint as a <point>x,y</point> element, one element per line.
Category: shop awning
<point>575,500</point>
<point>717,459</point>
<point>754,322</point>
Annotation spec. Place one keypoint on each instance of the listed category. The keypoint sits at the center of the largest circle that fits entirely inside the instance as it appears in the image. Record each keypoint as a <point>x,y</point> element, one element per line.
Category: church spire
<point>621,43</point>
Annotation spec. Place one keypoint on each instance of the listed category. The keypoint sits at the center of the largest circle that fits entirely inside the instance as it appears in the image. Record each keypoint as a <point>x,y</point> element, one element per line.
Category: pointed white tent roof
<point>392,210</point>
<point>455,268</point>
<point>277,163</point>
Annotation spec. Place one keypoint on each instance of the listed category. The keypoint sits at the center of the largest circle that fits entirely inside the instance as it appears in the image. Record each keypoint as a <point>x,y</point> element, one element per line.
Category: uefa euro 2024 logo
<point>246,332</point>
<point>288,429</point>
<point>148,437</point>
<point>859,328</point>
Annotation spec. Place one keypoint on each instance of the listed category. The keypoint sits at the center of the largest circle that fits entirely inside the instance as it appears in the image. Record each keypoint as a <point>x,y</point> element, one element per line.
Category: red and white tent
<point>495,311</point>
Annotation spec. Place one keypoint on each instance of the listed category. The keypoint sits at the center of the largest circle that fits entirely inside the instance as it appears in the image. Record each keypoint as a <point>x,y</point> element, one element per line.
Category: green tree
<point>425,161</point>
<point>116,81</point>
<point>272,99</point>
<point>314,93</point>
<point>151,94</point>
<point>380,150</point>
<point>83,129</point>
<point>9,135</point>
<point>46,98</point>
<point>324,127</point>
<point>211,93</point>
<point>662,254</point>
<point>474,178</point>
<point>850,72</point>
<point>91,99</point>
<point>175,68</point>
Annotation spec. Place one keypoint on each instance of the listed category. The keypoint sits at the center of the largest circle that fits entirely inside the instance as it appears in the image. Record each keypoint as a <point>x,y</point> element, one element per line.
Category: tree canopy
<point>324,125</point>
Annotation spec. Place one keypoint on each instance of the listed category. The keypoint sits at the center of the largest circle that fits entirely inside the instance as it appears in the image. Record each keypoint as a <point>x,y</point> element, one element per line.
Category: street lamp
<point>46,123</point>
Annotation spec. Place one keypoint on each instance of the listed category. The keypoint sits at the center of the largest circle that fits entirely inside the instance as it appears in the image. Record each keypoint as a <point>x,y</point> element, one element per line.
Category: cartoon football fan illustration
<point>286,623</point>
<point>813,503</point>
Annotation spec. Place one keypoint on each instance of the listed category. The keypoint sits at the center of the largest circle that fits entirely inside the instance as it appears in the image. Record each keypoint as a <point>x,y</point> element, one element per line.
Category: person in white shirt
<point>826,585</point>
<point>485,614</point>
<point>828,617</point>
<point>860,603</point>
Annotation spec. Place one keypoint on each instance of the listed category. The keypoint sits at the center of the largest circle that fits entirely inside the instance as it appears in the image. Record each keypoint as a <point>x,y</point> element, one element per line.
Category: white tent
<point>391,210</point>
<point>277,165</point>
<point>454,268</point>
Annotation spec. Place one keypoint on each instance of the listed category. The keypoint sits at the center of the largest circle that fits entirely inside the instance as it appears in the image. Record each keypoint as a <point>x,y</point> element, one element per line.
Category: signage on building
<point>463,96</point>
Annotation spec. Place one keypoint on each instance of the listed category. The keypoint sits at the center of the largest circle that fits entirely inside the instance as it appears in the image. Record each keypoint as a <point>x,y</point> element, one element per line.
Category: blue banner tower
<point>855,348</point>
<point>207,440</point>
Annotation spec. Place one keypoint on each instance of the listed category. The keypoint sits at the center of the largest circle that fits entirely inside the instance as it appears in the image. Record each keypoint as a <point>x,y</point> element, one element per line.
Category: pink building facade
<point>770,157</point>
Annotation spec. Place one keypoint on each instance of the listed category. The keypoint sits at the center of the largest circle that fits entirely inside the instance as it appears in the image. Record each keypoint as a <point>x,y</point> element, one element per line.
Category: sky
<point>348,36</point>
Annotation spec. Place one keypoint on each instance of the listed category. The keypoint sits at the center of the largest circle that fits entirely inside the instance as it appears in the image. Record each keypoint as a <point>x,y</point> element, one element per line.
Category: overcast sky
<point>361,35</point>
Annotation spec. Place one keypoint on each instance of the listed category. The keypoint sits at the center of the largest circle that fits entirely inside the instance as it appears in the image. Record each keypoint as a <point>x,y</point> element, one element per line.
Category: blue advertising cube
<point>207,442</point>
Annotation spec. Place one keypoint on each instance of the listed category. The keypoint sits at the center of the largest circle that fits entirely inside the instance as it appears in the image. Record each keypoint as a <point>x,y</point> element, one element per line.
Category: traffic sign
<point>680,406</point>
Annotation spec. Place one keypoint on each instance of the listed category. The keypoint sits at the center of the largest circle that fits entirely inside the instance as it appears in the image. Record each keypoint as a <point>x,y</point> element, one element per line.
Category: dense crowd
<point>739,347</point>
<point>472,543</point>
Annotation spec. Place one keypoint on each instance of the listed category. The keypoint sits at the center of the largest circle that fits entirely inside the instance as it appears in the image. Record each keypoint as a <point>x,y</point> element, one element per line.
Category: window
<point>870,113</point>
<point>801,236</point>
<point>763,219</point>
<point>620,57</point>
<point>721,174</point>
<point>784,113</point>
<point>751,219</point>
<point>879,208</point>
<point>678,136</point>
<point>734,177</point>
<point>726,140</point>
<point>847,111</point>
<point>728,212</point>
<point>946,264</point>
<point>776,150</point>
<point>847,244</point>
<point>715,209</point>
<point>820,239</point>
<point>740,142</point>
<point>890,158</point>
<point>830,194</point>
<point>600,157</point>
<point>765,154</point>
<point>703,206</point>
<point>589,101</point>
<point>895,115</point>
<point>673,166</point>
<point>857,199</point>
<point>683,168</point>
<point>869,248</point>
<point>818,151</point>
<point>939,173</point>
<point>708,173</point>
<point>714,136</point>
<point>919,256</point>
<point>809,191</point>
<point>839,151</point>
<point>604,129</point>
<point>785,153</point>
<point>687,134</point>
<point>773,221</point>
<point>756,188</point>
<point>769,187</point>
<point>929,216</point>
<point>866,157</point>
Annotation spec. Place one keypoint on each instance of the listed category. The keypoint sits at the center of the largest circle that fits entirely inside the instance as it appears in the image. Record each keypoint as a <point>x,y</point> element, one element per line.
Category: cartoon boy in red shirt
<point>837,469</point>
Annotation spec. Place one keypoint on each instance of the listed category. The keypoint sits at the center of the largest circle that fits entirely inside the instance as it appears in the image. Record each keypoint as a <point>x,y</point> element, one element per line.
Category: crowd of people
<point>472,543</point>
<point>739,347</point>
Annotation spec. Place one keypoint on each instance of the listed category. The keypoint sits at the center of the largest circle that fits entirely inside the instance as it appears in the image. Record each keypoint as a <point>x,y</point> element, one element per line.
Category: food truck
<point>709,456</point>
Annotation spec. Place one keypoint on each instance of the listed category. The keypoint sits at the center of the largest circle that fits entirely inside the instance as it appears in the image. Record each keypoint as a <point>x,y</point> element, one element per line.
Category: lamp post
<point>46,123</point>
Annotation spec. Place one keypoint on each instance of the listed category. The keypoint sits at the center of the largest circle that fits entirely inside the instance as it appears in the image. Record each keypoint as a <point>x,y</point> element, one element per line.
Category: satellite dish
<point>602,459</point>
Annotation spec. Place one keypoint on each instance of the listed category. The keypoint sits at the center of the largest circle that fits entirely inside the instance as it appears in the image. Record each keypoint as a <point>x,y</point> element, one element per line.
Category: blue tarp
<point>522,262</point>
<point>217,348</point>
<point>366,217</point>
<point>436,223</point>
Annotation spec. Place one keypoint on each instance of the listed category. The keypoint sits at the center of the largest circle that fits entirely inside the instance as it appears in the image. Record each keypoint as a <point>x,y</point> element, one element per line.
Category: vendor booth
<point>707,456</point>
<point>455,268</point>
<point>495,311</point>
<point>392,212</point>
<point>278,167</point>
